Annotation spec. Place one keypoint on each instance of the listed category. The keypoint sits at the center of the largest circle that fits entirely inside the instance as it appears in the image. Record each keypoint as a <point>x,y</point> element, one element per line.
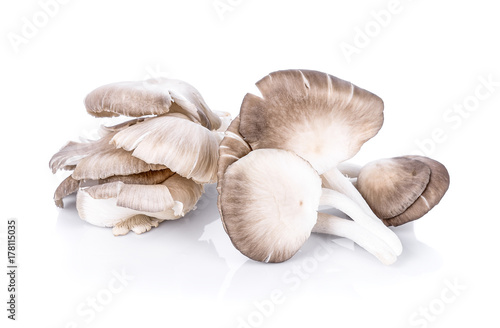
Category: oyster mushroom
<point>65,188</point>
<point>324,120</point>
<point>118,205</point>
<point>269,203</point>
<point>156,96</point>
<point>234,148</point>
<point>174,139</point>
<point>73,152</point>
<point>403,189</point>
<point>183,146</point>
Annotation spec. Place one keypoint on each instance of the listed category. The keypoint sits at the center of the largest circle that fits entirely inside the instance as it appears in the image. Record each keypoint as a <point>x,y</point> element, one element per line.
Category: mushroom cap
<point>108,204</point>
<point>391,185</point>
<point>99,159</point>
<point>183,146</point>
<point>139,146</point>
<point>151,97</point>
<point>321,118</point>
<point>269,201</point>
<point>430,197</point>
<point>73,152</point>
<point>231,148</point>
<point>111,162</point>
<point>67,187</point>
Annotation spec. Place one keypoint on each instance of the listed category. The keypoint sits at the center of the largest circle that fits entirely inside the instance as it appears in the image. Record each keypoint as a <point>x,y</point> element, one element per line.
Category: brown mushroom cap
<point>71,185</point>
<point>151,97</point>
<point>269,203</point>
<point>321,118</point>
<point>403,189</point>
<point>99,159</point>
<point>194,157</point>
<point>391,185</point>
<point>67,187</point>
<point>72,153</point>
<point>183,146</point>
<point>111,162</point>
<point>430,197</point>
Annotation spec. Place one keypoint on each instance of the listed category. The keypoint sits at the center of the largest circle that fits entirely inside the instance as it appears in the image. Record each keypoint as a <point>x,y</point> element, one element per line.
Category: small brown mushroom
<point>403,189</point>
<point>391,185</point>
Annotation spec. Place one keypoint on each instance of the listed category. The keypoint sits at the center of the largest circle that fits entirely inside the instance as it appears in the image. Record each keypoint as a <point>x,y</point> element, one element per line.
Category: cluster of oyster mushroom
<point>277,162</point>
<point>149,168</point>
<point>285,155</point>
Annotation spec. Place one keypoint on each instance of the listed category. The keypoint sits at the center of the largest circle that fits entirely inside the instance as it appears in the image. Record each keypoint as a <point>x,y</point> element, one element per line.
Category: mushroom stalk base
<point>330,224</point>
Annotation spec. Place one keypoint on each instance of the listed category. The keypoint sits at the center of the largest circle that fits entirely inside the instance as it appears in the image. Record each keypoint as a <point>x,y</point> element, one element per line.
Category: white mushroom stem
<point>332,225</point>
<point>335,180</point>
<point>349,169</point>
<point>343,203</point>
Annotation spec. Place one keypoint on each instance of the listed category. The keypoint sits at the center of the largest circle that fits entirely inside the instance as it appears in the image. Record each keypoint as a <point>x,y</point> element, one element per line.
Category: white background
<point>429,57</point>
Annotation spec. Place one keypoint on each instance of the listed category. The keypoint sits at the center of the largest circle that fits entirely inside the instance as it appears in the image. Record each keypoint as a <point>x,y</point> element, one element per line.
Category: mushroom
<point>183,146</point>
<point>117,204</point>
<point>173,140</point>
<point>66,188</point>
<point>269,203</point>
<point>403,189</point>
<point>73,152</point>
<point>156,96</point>
<point>324,120</point>
<point>233,148</point>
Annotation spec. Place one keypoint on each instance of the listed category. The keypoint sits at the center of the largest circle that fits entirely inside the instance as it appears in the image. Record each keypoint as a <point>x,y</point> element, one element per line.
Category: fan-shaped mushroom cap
<point>391,185</point>
<point>269,203</point>
<point>98,159</point>
<point>430,197</point>
<point>403,189</point>
<point>71,185</point>
<point>73,152</point>
<point>67,187</point>
<point>323,119</point>
<point>184,147</point>
<point>151,97</point>
<point>108,204</point>
<point>111,162</point>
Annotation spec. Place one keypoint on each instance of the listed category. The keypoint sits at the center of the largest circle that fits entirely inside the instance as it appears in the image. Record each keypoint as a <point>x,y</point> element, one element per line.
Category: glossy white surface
<point>186,273</point>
